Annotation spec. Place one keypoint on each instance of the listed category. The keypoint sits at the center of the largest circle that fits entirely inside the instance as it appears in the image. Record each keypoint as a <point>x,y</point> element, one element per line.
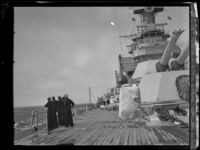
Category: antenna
<point>90,95</point>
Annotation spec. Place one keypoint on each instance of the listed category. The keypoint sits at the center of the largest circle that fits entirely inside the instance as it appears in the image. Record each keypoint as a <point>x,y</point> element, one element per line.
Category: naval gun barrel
<point>162,65</point>
<point>184,54</point>
<point>178,64</point>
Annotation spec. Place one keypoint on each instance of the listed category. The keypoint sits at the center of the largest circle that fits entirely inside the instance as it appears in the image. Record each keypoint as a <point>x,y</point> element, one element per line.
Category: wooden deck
<point>101,127</point>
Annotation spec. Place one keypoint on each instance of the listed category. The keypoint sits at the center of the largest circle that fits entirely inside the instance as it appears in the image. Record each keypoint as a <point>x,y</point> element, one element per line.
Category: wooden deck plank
<point>139,140</point>
<point>66,139</point>
<point>169,138</point>
<point>94,137</point>
<point>160,139</point>
<point>109,134</point>
<point>126,136</point>
<point>116,135</point>
<point>173,137</point>
<point>178,141</point>
<point>142,136</point>
<point>130,139</point>
<point>20,134</point>
<point>105,136</point>
<point>179,133</point>
<point>151,137</point>
<point>119,136</point>
<point>102,138</point>
<point>82,142</point>
<point>134,136</point>
<point>62,137</point>
<point>123,134</point>
<point>52,136</point>
<point>155,137</point>
<point>121,141</point>
<point>110,137</point>
<point>97,136</point>
<point>116,131</point>
<point>146,136</point>
<point>164,134</point>
<point>25,138</point>
<point>58,137</point>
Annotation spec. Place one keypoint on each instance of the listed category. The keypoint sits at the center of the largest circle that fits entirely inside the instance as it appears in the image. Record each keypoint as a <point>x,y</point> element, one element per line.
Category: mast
<point>90,95</point>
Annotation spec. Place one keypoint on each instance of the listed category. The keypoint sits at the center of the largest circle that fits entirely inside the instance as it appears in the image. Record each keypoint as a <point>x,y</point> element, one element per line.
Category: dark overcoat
<point>60,112</point>
<point>51,116</point>
<point>55,109</point>
<point>68,120</point>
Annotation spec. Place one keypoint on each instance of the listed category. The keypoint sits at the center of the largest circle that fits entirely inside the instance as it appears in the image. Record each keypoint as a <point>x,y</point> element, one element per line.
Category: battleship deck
<point>102,127</point>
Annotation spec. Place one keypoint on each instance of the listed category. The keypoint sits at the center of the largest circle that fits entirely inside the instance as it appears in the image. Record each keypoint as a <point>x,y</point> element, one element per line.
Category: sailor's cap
<point>66,95</point>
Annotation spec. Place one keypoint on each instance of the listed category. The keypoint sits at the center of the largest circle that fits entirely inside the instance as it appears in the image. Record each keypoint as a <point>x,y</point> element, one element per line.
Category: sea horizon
<point>43,105</point>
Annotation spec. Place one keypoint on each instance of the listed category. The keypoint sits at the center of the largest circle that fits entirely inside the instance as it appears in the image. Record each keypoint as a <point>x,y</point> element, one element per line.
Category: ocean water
<point>22,115</point>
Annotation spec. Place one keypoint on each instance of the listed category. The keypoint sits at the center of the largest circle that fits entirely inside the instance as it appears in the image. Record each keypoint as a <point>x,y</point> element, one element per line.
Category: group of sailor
<point>59,112</point>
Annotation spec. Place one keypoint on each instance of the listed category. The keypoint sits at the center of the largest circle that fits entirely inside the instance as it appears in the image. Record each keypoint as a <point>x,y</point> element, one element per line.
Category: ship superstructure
<point>148,43</point>
<point>156,65</point>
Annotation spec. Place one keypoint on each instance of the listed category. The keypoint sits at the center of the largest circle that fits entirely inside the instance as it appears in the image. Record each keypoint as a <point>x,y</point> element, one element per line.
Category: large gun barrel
<point>178,64</point>
<point>162,65</point>
<point>184,54</point>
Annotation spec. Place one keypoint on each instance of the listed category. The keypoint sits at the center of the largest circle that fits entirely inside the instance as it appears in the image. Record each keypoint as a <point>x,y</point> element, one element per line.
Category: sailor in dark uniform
<point>51,115</point>
<point>60,110</point>
<point>68,103</point>
<point>62,107</point>
<point>55,106</point>
<point>108,101</point>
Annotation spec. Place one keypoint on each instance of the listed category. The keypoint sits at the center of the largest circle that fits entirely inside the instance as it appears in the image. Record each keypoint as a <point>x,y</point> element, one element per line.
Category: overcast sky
<point>68,49</point>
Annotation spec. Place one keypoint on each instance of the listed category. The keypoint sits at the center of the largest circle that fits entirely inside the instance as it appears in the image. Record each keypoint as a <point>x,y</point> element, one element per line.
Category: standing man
<point>50,115</point>
<point>55,109</point>
<point>60,110</point>
<point>68,103</point>
<point>108,101</point>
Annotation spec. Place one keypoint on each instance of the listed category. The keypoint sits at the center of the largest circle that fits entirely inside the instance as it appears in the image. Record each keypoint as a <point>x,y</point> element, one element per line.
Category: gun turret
<point>178,64</point>
<point>162,65</point>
